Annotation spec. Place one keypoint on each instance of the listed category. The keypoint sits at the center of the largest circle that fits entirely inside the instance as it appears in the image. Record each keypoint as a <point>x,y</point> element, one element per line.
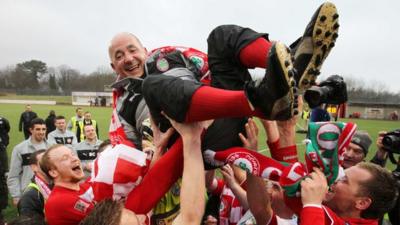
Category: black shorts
<point>224,45</point>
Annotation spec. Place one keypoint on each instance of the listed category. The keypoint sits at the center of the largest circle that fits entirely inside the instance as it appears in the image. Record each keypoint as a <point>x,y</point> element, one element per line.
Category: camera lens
<point>391,142</point>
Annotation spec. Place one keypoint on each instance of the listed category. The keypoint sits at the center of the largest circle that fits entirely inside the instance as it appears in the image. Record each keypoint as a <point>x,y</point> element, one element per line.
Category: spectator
<point>20,172</point>
<point>357,149</point>
<point>73,122</point>
<point>87,120</point>
<point>96,101</point>
<point>4,141</point>
<point>50,122</point>
<point>319,114</point>
<point>25,120</point>
<point>61,135</point>
<point>87,149</point>
<point>103,101</point>
<point>37,192</point>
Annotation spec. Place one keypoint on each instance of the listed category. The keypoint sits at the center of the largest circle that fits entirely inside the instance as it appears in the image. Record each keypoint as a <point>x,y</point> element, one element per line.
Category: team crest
<point>69,140</point>
<point>328,136</point>
<point>162,64</point>
<point>81,206</point>
<point>245,161</point>
<point>197,61</point>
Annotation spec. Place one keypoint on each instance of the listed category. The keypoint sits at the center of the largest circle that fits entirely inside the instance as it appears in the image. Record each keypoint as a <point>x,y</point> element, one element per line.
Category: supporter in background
<point>25,120</point>
<point>73,122</point>
<point>50,122</point>
<point>61,135</point>
<point>20,172</point>
<point>88,148</point>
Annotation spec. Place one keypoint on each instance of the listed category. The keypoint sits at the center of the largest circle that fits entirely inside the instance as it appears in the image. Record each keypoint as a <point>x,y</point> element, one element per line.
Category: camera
<point>391,141</point>
<point>333,90</point>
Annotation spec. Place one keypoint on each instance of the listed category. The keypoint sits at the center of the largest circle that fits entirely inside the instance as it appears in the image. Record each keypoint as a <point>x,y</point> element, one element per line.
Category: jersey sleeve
<point>67,209</point>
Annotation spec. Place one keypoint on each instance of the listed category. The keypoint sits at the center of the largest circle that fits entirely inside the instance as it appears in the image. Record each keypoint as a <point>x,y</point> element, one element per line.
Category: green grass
<point>102,116</point>
<point>63,100</point>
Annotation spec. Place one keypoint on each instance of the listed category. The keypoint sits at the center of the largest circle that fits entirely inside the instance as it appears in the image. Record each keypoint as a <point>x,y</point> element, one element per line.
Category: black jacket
<point>31,203</point>
<point>25,119</point>
<point>4,130</point>
<point>50,123</point>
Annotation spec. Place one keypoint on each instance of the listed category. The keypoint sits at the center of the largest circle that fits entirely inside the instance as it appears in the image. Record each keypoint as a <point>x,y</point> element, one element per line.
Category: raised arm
<point>193,182</point>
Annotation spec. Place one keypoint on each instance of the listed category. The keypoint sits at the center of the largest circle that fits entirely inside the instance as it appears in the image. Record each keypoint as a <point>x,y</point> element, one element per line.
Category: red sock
<point>273,146</point>
<point>253,162</point>
<point>157,181</point>
<point>214,103</point>
<point>255,54</point>
<point>286,154</point>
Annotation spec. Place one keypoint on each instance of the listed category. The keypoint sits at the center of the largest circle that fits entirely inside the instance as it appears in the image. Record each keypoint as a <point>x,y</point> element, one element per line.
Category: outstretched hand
<point>189,130</point>
<point>160,139</point>
<point>228,174</point>
<point>250,141</point>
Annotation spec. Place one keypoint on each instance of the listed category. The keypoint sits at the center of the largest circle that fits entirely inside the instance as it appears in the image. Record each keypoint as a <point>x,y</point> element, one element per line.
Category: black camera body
<point>391,141</point>
<point>333,90</point>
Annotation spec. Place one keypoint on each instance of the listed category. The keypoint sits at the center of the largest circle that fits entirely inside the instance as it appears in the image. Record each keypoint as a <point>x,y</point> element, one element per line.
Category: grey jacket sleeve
<point>14,175</point>
<point>50,139</point>
<point>142,114</point>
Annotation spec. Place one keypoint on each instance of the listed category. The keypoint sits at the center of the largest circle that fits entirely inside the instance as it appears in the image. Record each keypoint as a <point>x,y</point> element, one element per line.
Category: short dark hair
<point>77,109</point>
<point>103,145</point>
<point>28,220</point>
<point>33,158</point>
<point>36,121</point>
<point>382,188</point>
<point>107,212</point>
<point>45,163</point>
<point>60,117</point>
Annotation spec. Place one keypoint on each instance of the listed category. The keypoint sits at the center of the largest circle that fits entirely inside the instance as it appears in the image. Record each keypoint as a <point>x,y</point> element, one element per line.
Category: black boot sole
<point>285,61</point>
<point>325,33</point>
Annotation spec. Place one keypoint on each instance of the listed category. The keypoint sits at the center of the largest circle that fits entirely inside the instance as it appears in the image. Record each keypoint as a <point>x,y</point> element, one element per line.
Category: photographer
<point>358,149</point>
<point>381,154</point>
<point>388,144</point>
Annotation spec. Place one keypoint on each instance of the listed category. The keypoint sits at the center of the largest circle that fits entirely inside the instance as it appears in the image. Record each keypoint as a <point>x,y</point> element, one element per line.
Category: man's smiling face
<point>127,55</point>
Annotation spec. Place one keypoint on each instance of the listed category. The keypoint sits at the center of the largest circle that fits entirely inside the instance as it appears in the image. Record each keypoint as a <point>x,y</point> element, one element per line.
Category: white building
<point>92,98</point>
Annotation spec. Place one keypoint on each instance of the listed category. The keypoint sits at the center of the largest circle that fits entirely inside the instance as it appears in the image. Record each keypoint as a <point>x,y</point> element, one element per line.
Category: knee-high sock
<point>157,181</point>
<point>252,162</point>
<point>213,103</point>
<point>255,54</point>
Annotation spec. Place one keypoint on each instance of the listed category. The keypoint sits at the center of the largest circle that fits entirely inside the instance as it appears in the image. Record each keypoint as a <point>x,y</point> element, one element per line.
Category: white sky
<point>77,32</point>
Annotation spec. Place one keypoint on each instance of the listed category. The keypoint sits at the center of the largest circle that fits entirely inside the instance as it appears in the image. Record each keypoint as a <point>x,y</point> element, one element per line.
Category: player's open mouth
<point>76,168</point>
